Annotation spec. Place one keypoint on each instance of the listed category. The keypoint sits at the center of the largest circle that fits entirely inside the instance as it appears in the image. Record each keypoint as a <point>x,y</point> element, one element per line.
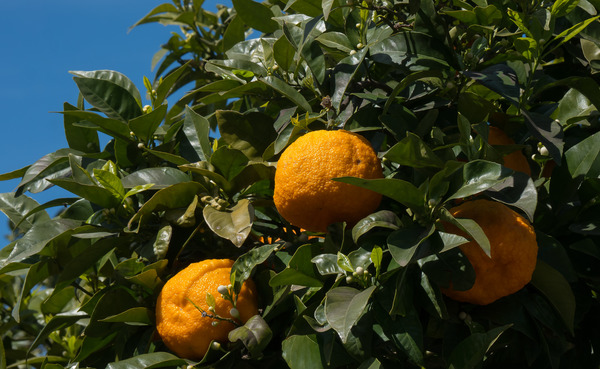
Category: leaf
<point>93,193</point>
<point>287,91</point>
<point>169,84</point>
<point>399,190</point>
<point>557,290</point>
<point>571,32</point>
<point>229,162</point>
<point>110,92</point>
<point>194,137</point>
<point>79,138</point>
<point>255,335</point>
<point>256,15</point>
<point>162,241</point>
<point>111,182</point>
<point>403,243</point>
<point>160,178</point>
<point>343,75</point>
<point>250,133</point>
<point>327,264</point>
<point>93,121</point>
<point>19,210</point>
<point>413,152</point>
<point>344,306</point>
<point>335,40</point>
<point>471,228</point>
<point>478,176</point>
<point>244,265</point>
<point>146,125</point>
<point>40,235</point>
<point>148,361</point>
<point>470,352</point>
<point>560,8</point>
<point>583,159</point>
<point>233,224</point>
<point>299,270</point>
<point>52,165</point>
<point>56,323</point>
<point>383,218</point>
<point>302,352</point>
<point>548,131</point>
<point>501,79</point>
<point>134,316</point>
<point>176,196</point>
<point>517,190</point>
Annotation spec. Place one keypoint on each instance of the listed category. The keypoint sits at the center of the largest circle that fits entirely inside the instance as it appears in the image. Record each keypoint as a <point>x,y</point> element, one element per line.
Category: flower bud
<point>234,313</point>
<point>223,290</point>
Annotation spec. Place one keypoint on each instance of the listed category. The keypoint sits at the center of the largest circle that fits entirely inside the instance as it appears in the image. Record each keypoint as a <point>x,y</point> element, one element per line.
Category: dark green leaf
<point>300,270</point>
<point>413,152</point>
<point>344,306</point>
<point>302,352</point>
<point>20,210</point>
<point>79,138</point>
<point>250,133</point>
<point>110,92</point>
<point>256,15</point>
<point>383,218</point>
<point>146,125</point>
<point>194,137</point>
<point>557,290</point>
<point>478,176</point>
<point>583,159</point>
<point>255,335</point>
<point>244,265</point>
<point>403,243</point>
<point>93,193</point>
<point>286,90</point>
<point>471,351</point>
<point>159,177</point>
<point>399,190</point>
<point>148,361</point>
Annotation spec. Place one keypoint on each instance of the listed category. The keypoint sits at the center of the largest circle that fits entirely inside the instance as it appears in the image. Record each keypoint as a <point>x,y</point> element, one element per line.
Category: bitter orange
<point>514,160</point>
<point>185,329</point>
<point>513,249</point>
<point>305,194</point>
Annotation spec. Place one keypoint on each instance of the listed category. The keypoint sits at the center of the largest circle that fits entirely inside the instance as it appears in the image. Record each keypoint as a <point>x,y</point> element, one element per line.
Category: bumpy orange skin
<point>181,326</point>
<point>304,193</point>
<point>513,252</point>
<point>514,160</point>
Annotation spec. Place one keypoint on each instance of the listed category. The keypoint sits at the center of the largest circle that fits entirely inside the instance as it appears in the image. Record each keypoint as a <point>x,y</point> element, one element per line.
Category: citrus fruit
<point>514,160</point>
<point>513,250</point>
<point>186,330</point>
<point>305,194</point>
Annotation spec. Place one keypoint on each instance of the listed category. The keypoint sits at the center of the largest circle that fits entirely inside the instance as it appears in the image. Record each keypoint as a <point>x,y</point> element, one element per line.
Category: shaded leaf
<point>344,306</point>
<point>233,224</point>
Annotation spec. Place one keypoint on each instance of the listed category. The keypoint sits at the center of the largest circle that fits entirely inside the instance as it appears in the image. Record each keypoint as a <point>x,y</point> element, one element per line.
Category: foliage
<point>189,176</point>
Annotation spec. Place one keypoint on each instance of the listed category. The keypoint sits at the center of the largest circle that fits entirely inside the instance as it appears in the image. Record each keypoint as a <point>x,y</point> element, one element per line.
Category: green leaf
<point>161,243</point>
<point>327,264</point>
<point>91,120</point>
<point>79,138</point>
<point>344,306</point>
<point>286,90</point>
<point>110,92</point>
<point>14,174</point>
<point>399,190</point>
<point>299,271</point>
<point>343,75</point>
<point>471,228</point>
<point>19,210</point>
<point>250,133</point>
<point>57,322</point>
<point>517,190</point>
<point>557,290</point>
<point>176,196</point>
<point>159,177</point>
<point>244,265</point>
<point>194,137</point>
<point>146,125</point>
<point>255,335</point>
<point>413,152</point>
<point>229,162</point>
<point>583,159</point>
<point>571,32</point>
<point>478,176</point>
<point>95,194</point>
<point>403,243</point>
<point>383,218</point>
<point>470,352</point>
<point>168,84</point>
<point>499,78</point>
<point>50,166</point>
<point>284,52</point>
<point>302,352</point>
<point>335,40</point>
<point>38,237</point>
<point>148,361</point>
<point>233,224</point>
<point>256,15</point>
<point>111,182</point>
<point>134,316</point>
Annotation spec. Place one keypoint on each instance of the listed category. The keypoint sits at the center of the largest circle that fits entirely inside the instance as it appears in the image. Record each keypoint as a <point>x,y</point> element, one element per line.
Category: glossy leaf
<point>233,224</point>
<point>147,361</point>
<point>399,190</point>
<point>470,352</point>
<point>299,270</point>
<point>110,92</point>
<point>344,306</point>
<point>18,210</point>
<point>195,143</point>
<point>146,125</point>
<point>557,290</point>
<point>255,334</point>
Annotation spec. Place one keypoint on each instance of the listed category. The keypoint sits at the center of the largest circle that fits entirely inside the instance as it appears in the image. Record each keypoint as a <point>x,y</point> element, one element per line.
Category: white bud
<point>141,145</point>
<point>543,151</point>
<point>234,313</point>
<point>352,52</point>
<point>223,290</point>
<point>359,45</point>
<point>360,270</point>
<point>462,315</point>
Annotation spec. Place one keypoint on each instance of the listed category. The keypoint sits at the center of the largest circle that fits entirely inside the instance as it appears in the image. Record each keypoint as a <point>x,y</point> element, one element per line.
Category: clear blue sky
<point>42,41</point>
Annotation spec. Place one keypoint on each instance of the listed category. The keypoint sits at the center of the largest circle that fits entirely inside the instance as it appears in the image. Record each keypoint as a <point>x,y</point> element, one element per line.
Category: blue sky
<point>42,41</point>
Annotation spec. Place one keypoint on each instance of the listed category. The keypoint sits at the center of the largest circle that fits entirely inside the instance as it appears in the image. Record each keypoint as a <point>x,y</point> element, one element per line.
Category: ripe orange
<point>181,326</point>
<point>306,196</point>
<point>515,160</point>
<point>513,251</point>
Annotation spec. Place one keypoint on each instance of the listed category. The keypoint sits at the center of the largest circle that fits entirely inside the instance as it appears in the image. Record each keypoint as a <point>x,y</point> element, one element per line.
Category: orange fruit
<point>513,249</point>
<point>514,160</point>
<point>181,326</point>
<point>304,193</point>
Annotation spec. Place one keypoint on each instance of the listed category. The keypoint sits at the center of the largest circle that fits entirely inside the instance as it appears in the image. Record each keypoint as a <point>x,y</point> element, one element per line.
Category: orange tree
<point>188,171</point>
